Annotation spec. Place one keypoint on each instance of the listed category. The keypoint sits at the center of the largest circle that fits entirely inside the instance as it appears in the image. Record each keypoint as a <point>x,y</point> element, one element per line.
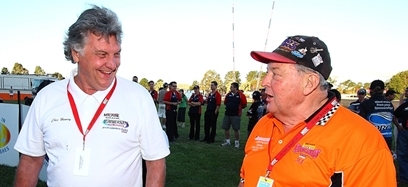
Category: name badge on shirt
<point>264,182</point>
<point>82,160</point>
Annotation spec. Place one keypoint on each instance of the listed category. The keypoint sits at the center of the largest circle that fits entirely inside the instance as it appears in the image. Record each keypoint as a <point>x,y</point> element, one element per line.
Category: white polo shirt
<point>126,131</point>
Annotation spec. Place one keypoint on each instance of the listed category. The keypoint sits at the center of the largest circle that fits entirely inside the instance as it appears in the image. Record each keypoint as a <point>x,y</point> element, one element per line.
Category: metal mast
<point>266,43</point>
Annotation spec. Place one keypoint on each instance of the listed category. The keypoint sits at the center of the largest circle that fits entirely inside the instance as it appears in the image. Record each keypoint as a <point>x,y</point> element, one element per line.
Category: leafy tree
<point>399,82</point>
<point>230,78</point>
<point>245,86</point>
<point>210,75</point>
<point>252,80</point>
<point>58,76</point>
<point>348,87</point>
<point>195,82</point>
<point>18,69</point>
<point>39,71</point>
<point>158,84</point>
<point>5,71</point>
<point>144,82</point>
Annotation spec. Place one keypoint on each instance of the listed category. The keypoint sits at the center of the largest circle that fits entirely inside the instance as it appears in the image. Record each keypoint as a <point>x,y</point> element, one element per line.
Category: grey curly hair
<point>96,20</point>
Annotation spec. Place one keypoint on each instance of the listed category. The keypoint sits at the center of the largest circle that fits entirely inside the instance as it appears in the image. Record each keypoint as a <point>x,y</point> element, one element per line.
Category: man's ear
<point>311,82</point>
<point>75,55</point>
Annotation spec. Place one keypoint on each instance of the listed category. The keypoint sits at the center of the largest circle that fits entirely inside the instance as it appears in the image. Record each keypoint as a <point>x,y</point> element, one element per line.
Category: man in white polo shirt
<point>94,127</point>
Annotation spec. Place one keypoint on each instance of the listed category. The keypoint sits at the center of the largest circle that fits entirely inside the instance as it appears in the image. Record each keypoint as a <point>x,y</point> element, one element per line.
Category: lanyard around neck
<point>96,115</point>
<point>309,125</point>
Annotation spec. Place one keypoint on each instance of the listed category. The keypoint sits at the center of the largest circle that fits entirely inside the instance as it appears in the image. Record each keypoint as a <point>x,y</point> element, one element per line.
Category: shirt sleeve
<point>379,164</point>
<point>166,96</point>
<point>218,99</point>
<point>154,144</point>
<point>30,141</point>
<point>201,99</point>
<point>243,100</point>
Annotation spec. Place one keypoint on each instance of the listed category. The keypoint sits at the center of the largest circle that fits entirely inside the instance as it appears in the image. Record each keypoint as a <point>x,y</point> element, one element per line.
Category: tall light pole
<point>266,43</point>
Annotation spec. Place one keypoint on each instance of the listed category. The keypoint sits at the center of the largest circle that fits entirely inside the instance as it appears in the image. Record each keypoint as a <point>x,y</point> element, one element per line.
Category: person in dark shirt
<point>379,111</point>
<point>402,143</point>
<point>234,102</point>
<point>211,114</point>
<point>194,112</point>
<point>355,106</point>
<point>172,99</point>
<point>255,111</point>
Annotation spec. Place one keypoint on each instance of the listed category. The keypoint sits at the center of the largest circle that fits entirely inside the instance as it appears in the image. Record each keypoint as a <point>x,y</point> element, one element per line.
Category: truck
<point>26,84</point>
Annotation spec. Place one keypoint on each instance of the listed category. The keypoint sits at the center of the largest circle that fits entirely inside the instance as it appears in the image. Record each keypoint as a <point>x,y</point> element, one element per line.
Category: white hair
<point>323,84</point>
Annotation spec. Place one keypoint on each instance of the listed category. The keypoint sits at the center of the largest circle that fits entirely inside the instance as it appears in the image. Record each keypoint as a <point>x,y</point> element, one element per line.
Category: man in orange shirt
<point>308,138</point>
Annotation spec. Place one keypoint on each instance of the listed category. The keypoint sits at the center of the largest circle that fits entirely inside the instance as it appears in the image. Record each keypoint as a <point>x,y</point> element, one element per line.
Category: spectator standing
<point>234,102</point>
<point>211,113</point>
<point>255,111</point>
<point>161,109</point>
<point>194,112</point>
<point>181,115</point>
<point>390,95</point>
<point>172,98</point>
<point>379,111</point>
<point>402,143</point>
<point>153,92</point>
<point>355,105</point>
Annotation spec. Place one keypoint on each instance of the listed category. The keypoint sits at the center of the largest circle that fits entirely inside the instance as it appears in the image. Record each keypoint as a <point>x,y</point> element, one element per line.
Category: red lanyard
<point>301,134</point>
<point>96,115</point>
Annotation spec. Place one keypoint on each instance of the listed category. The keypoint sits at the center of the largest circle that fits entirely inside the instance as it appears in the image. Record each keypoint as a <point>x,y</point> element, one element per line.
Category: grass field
<point>191,163</point>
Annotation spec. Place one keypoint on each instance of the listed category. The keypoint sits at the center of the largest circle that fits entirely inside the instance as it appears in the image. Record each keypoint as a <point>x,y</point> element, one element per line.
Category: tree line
<point>18,69</point>
<point>398,82</point>
<point>252,82</point>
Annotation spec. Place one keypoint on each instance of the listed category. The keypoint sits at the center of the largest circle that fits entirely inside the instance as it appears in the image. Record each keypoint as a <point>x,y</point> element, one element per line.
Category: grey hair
<point>96,20</point>
<point>323,84</point>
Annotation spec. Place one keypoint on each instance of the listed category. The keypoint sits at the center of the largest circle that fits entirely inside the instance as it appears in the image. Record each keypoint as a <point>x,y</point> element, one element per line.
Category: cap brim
<point>267,57</point>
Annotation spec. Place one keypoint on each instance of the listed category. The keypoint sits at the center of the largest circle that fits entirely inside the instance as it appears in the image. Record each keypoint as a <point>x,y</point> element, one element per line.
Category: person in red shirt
<point>211,114</point>
<point>172,98</point>
<point>194,112</point>
<point>153,92</point>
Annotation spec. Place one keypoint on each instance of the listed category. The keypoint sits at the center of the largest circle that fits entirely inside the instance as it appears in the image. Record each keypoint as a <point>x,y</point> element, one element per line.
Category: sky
<point>180,40</point>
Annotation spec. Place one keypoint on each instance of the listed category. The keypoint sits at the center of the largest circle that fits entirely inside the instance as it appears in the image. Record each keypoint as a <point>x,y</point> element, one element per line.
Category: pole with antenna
<point>266,43</point>
<point>233,46</point>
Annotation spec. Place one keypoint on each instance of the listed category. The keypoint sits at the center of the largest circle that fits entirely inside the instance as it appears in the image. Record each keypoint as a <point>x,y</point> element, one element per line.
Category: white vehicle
<point>26,84</point>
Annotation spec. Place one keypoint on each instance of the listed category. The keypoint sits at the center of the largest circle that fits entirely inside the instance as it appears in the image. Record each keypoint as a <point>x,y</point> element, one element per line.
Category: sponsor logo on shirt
<point>306,150</point>
<point>113,122</point>
<point>261,143</point>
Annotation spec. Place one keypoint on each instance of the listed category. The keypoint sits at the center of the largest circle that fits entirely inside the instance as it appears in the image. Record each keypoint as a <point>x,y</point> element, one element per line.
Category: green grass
<point>191,163</point>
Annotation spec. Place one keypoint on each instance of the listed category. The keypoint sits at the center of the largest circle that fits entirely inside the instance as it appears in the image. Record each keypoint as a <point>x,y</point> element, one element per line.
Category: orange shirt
<point>346,151</point>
